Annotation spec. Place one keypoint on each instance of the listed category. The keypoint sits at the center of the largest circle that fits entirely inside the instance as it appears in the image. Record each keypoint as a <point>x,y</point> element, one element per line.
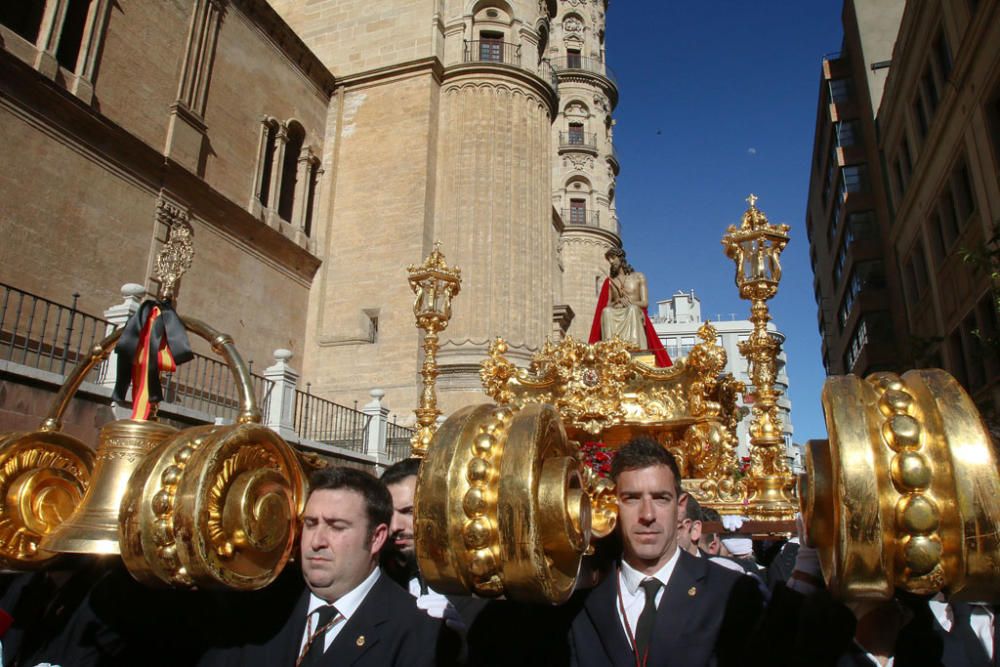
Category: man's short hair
<point>693,510</point>
<point>400,470</point>
<point>644,453</point>
<point>378,501</point>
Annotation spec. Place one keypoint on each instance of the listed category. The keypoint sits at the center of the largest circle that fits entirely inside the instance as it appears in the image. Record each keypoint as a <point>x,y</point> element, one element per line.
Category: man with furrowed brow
<point>663,606</point>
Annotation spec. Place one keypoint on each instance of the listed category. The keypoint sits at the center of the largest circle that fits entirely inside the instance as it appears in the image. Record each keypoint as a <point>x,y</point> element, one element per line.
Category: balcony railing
<point>578,139</point>
<point>486,51</point>
<point>49,336</point>
<point>206,384</point>
<point>505,53</point>
<point>44,334</point>
<point>576,216</point>
<point>579,63</point>
<point>330,423</point>
<point>397,441</point>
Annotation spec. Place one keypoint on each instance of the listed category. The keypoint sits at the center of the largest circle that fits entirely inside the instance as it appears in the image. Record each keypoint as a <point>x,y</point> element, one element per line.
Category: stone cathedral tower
<point>449,121</point>
<point>585,164</point>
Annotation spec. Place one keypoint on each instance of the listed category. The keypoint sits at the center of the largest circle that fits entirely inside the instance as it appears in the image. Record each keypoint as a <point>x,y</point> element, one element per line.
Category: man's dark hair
<point>378,501</point>
<point>693,510</point>
<point>400,470</point>
<point>644,453</point>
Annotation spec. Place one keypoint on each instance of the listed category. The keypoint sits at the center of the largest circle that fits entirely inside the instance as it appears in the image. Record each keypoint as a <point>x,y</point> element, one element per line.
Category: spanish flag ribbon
<point>152,342</point>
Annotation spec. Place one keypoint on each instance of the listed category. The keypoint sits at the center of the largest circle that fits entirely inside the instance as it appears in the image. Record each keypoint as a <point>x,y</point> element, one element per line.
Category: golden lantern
<point>434,283</point>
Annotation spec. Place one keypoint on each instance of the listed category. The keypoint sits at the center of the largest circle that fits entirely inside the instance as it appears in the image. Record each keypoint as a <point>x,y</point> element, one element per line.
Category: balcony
<point>578,141</point>
<point>506,53</point>
<point>580,216</point>
<point>573,64</point>
<point>613,159</point>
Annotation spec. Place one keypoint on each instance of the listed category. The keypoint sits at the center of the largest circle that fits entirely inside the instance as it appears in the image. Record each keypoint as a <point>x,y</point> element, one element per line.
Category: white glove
<point>438,606</point>
<point>732,523</point>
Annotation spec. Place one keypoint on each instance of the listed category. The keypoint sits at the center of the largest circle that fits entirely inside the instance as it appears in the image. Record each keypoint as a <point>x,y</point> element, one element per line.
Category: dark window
<point>289,170</point>
<point>310,203</point>
<point>576,134</point>
<point>942,59</point>
<point>577,212</point>
<point>372,328</point>
<point>23,17</point>
<point>855,178</point>
<point>491,47</point>
<point>848,133</point>
<point>840,90</point>
<point>71,36</point>
<point>929,90</point>
<point>921,117</point>
<point>573,58</point>
<point>267,167</point>
<point>860,226</point>
<point>961,186</point>
<point>957,356</point>
<point>993,119</point>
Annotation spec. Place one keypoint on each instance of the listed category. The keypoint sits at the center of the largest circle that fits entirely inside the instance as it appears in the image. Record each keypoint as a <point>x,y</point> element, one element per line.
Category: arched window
<point>266,167</point>
<point>289,169</point>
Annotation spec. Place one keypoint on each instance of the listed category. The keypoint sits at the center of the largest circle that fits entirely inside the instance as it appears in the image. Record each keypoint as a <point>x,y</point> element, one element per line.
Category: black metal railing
<point>397,441</point>
<point>207,385</point>
<point>614,155</point>
<point>581,139</point>
<point>330,423</point>
<point>50,336</point>
<point>577,216</point>
<point>43,334</point>
<point>580,63</point>
<point>489,51</point>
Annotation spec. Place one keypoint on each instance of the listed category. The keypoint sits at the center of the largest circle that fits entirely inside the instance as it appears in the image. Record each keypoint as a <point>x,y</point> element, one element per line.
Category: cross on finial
<point>752,200</point>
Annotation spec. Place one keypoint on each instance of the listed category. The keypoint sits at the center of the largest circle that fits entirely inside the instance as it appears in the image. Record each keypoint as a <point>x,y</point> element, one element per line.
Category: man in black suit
<point>349,612</point>
<point>662,606</point>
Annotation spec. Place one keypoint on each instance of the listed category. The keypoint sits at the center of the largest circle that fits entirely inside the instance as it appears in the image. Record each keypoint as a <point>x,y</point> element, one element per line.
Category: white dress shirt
<point>347,605</point>
<point>981,620</point>
<point>633,597</point>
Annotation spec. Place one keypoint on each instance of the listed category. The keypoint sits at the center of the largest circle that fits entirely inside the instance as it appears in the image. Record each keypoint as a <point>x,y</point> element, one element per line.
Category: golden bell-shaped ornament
<point>94,526</point>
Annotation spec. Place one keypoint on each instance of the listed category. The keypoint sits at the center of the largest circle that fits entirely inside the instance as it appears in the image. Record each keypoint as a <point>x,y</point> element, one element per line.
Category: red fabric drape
<point>655,346</point>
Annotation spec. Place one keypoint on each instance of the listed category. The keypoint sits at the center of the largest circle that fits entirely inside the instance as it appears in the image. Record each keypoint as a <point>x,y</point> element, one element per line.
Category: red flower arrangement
<point>597,457</point>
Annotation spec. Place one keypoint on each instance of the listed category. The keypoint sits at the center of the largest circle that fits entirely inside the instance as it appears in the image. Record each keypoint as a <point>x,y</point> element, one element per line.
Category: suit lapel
<point>362,630</point>
<point>677,605</point>
<point>291,634</point>
<point>602,609</point>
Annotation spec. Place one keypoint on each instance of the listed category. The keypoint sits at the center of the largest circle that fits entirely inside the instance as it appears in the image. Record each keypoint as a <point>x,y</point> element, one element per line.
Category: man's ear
<point>379,537</point>
<point>695,530</point>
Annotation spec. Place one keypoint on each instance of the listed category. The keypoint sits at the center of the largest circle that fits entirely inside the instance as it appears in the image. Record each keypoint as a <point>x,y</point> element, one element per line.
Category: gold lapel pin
<point>692,591</point>
<point>360,641</point>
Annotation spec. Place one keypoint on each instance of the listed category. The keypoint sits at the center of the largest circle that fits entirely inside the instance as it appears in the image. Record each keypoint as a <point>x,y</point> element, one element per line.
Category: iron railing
<point>576,216</point>
<point>50,336</point>
<point>207,385</point>
<point>489,51</point>
<point>397,441</point>
<point>580,139</point>
<point>43,334</point>
<point>580,63</point>
<point>330,423</point>
<point>614,155</point>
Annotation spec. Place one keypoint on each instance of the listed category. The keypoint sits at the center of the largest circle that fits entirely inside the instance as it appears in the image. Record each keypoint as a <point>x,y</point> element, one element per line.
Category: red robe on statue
<point>655,346</point>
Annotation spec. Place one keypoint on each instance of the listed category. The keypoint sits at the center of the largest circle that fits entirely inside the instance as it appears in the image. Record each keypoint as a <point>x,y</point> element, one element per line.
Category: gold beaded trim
<point>479,531</point>
<point>163,507</point>
<point>917,515</point>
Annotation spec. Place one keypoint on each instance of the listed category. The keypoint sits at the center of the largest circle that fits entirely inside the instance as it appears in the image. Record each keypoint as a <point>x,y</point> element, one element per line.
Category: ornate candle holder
<point>755,246</point>
<point>434,283</point>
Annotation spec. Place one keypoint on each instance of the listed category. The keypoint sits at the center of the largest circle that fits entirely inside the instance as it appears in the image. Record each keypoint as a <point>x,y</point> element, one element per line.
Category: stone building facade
<point>894,287</point>
<point>316,149</point>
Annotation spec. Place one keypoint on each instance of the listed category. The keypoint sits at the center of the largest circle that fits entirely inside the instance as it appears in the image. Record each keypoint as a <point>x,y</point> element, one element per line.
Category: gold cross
<point>752,200</point>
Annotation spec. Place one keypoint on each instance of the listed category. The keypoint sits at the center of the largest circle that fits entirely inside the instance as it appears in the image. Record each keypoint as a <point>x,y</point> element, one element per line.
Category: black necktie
<point>961,629</point>
<point>644,628</point>
<point>313,650</point>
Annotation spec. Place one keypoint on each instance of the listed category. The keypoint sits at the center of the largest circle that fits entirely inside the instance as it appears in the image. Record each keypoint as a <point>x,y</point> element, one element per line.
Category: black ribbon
<point>168,326</point>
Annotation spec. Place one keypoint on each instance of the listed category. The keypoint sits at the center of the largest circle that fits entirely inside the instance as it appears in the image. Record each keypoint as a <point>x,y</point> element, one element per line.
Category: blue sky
<point>718,100</point>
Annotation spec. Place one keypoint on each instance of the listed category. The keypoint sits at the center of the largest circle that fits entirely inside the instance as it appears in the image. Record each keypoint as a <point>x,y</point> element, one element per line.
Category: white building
<point>676,321</point>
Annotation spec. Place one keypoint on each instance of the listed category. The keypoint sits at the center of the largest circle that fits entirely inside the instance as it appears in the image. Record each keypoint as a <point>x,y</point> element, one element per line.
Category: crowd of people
<point>661,591</point>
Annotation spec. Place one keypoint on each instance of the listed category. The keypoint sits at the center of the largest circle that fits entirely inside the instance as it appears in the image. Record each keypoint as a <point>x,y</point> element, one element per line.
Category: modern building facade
<point>677,321</point>
<point>316,150</point>
<point>904,187</point>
